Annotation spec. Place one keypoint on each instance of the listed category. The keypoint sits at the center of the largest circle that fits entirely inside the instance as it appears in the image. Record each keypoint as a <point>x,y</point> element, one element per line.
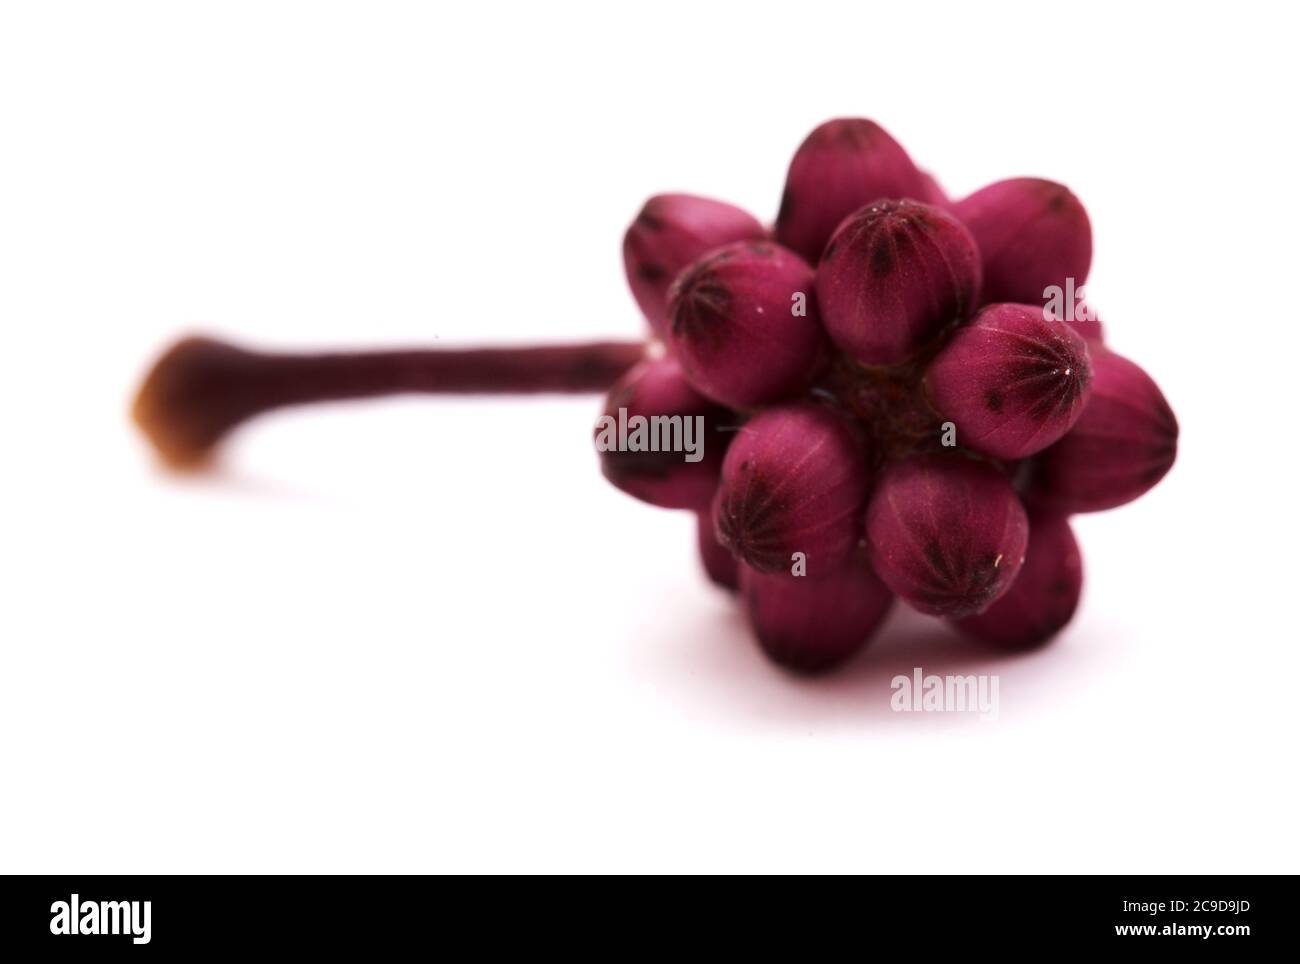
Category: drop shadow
<point>220,475</point>
<point>717,670</point>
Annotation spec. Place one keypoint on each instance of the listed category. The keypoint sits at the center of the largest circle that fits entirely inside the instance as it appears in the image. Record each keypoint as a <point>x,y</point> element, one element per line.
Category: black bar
<point>385,914</point>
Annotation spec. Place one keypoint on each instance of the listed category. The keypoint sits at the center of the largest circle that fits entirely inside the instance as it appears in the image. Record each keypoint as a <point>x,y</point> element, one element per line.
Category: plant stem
<point>201,388</point>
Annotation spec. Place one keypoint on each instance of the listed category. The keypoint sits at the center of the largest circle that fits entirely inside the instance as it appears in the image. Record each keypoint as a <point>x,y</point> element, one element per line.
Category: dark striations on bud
<point>946,533</point>
<point>719,564</point>
<point>671,231</point>
<point>1032,234</point>
<point>841,166</point>
<point>652,465</point>
<point>813,623</point>
<point>794,480</point>
<point>894,277</point>
<point>1044,596</point>
<point>1012,381</point>
<point>743,321</point>
<point>1125,442</point>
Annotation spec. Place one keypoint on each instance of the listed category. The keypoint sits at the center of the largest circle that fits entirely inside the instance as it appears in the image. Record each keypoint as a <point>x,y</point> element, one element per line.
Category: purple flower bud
<point>648,458</point>
<point>671,231</point>
<point>1090,329</point>
<point>842,165</point>
<point>1044,596</point>
<point>1011,381</point>
<point>1123,444</point>
<point>719,564</point>
<point>794,481</point>
<point>946,533</point>
<point>811,623</point>
<point>896,275</point>
<point>744,322</point>
<point>1031,233</point>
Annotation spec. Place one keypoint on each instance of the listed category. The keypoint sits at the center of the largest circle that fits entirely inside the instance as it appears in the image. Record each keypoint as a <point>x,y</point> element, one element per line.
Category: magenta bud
<point>719,564</point>
<point>1011,381</point>
<point>896,275</point>
<point>841,166</point>
<point>946,533</point>
<point>1032,234</point>
<point>671,231</point>
<point>660,440</point>
<point>1090,329</point>
<point>794,481</point>
<point>1123,444</point>
<point>744,322</point>
<point>1044,596</point>
<point>811,623</point>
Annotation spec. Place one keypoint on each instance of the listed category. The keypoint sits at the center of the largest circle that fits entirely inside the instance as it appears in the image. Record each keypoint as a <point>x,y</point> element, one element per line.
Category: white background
<point>425,635</point>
